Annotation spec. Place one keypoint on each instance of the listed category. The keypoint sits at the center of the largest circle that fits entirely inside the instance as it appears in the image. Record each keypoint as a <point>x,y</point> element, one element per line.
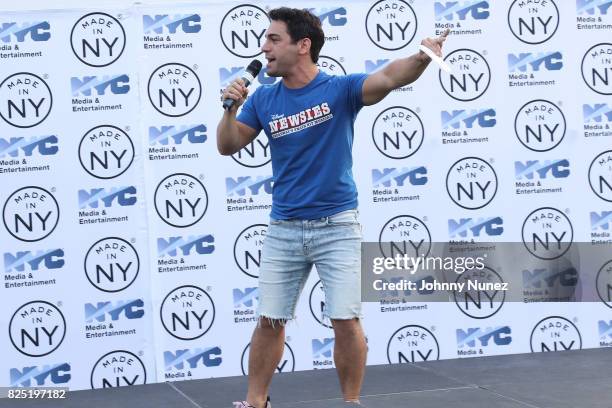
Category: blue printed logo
<point>160,24</point>
<point>597,112</point>
<point>493,226</point>
<point>415,176</point>
<point>13,147</point>
<point>602,220</point>
<point>322,348</point>
<point>118,84</point>
<point>206,357</point>
<point>499,336</point>
<point>335,17</point>
<point>592,7</point>
<point>36,31</point>
<point>131,309</point>
<point>177,134</point>
<point>229,75</point>
<point>457,10</point>
<point>529,61</point>
<point>533,168</point>
<point>245,297</point>
<point>124,196</point>
<point>605,330</point>
<point>41,375</point>
<point>53,259</point>
<point>375,66</point>
<point>249,185</point>
<point>192,245</point>
<point>484,118</point>
<point>542,277</point>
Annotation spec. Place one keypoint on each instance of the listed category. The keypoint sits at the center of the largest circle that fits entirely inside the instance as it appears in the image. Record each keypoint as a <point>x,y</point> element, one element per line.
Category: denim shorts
<point>291,247</point>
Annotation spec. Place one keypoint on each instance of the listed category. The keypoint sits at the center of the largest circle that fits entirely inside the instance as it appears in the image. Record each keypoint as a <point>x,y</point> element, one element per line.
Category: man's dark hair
<point>301,24</point>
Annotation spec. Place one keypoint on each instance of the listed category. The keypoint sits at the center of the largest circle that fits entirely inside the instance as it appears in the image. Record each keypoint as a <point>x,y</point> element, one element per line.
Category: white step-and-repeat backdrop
<point>129,247</point>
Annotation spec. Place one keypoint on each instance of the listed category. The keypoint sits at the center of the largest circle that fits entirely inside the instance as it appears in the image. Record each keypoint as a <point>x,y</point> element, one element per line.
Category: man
<point>308,118</point>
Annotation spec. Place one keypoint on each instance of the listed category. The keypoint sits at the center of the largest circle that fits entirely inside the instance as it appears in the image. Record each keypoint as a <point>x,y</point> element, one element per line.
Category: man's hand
<point>434,44</point>
<point>236,91</point>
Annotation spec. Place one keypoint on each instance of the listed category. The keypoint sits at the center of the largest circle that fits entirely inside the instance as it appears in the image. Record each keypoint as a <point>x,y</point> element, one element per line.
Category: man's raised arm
<point>400,72</point>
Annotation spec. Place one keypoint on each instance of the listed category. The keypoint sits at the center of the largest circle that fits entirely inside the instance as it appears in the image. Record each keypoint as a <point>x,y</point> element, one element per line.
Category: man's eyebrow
<point>272,35</point>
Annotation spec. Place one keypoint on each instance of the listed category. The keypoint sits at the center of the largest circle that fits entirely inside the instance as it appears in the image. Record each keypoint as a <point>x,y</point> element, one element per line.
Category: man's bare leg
<point>267,346</point>
<point>350,351</point>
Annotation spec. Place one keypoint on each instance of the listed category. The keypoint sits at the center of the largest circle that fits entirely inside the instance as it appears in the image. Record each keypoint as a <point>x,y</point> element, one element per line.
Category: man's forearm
<point>228,136</point>
<point>404,71</point>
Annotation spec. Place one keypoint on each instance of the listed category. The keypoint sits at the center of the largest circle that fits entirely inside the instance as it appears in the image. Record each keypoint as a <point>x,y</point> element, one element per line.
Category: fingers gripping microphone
<point>248,77</point>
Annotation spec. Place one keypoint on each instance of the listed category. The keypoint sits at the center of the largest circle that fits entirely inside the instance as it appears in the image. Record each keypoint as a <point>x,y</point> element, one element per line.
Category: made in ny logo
<point>106,152</point>
<point>533,22</point>
<point>37,328</point>
<point>25,100</point>
<point>174,89</point>
<point>480,303</point>
<point>242,30</point>
<point>540,125</point>
<point>247,249</point>
<point>600,175</point>
<point>412,344</point>
<point>187,312</point>
<point>118,368</point>
<point>547,233</point>
<point>470,76</point>
<point>181,200</point>
<point>398,132</point>
<point>555,333</point>
<point>597,68</point>
<point>285,365</point>
<point>98,39</point>
<point>471,183</point>
<point>404,235</point>
<point>30,214</point>
<point>111,264</point>
<point>391,24</point>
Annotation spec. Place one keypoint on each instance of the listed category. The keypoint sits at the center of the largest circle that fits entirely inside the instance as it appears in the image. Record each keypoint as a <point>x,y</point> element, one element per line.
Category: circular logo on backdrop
<point>30,214</point>
<point>181,200</point>
<point>391,24</point>
<point>243,30</point>
<point>330,66</point>
<point>174,89</point>
<point>255,154</point>
<point>533,23</point>
<point>596,68</point>
<point>603,282</point>
<point>540,125</point>
<point>106,152</point>
<point>187,312</point>
<point>37,328</point>
<point>286,364</point>
<point>547,233</point>
<point>555,333</point>
<point>317,305</point>
<point>118,368</point>
<point>600,175</point>
<point>471,183</point>
<point>470,77</point>
<point>26,100</point>
<point>97,39</point>
<point>398,132</point>
<point>112,264</point>
<point>248,247</point>
<point>405,235</point>
<point>412,344</point>
<point>477,303</point>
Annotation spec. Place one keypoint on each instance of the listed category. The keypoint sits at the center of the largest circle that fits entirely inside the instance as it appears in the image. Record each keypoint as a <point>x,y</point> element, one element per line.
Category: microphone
<point>248,77</point>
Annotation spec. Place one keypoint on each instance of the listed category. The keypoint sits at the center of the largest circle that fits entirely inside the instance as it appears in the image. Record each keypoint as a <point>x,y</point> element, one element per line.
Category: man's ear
<point>304,44</point>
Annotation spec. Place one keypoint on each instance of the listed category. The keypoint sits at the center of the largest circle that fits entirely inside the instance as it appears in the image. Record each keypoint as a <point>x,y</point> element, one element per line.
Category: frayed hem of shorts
<point>281,321</point>
<point>347,317</point>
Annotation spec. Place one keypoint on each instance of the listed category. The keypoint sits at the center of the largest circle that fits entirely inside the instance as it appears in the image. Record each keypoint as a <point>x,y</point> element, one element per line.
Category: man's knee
<point>346,326</point>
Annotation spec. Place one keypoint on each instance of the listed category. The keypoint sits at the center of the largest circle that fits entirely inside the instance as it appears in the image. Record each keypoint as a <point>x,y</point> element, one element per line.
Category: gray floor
<point>574,379</point>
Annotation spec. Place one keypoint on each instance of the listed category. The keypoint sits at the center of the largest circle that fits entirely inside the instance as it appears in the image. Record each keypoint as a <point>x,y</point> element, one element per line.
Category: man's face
<point>279,50</point>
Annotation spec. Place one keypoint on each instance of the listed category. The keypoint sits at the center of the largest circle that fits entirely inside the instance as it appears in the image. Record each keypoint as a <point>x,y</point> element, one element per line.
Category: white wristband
<point>443,65</point>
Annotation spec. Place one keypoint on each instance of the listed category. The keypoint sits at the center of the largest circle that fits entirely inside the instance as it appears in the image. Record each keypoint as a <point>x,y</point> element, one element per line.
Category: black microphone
<point>248,77</point>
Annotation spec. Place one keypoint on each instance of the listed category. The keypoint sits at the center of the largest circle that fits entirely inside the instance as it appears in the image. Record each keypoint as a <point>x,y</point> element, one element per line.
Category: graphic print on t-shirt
<point>281,125</point>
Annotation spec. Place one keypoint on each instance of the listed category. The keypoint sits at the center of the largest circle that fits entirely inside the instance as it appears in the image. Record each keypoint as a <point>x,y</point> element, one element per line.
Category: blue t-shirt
<point>310,131</point>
